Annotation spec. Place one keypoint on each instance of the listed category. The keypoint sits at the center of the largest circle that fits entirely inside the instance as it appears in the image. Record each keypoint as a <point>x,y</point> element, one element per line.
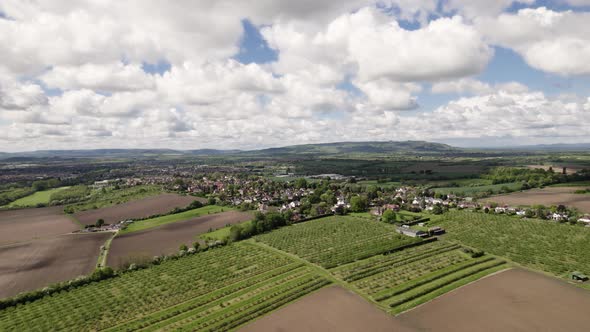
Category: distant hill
<point>321,149</point>
<point>211,152</point>
<point>359,148</point>
<point>552,147</point>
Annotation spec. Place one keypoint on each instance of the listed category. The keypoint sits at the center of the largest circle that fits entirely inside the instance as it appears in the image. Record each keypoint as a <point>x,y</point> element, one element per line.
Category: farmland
<point>341,310</point>
<point>404,279</point>
<point>39,197</point>
<point>555,248</point>
<point>332,241</point>
<point>165,239</point>
<point>141,208</point>
<point>28,224</point>
<point>475,190</point>
<point>167,219</point>
<point>220,289</point>
<point>30,265</point>
<point>515,300</point>
<point>100,198</point>
<point>546,196</point>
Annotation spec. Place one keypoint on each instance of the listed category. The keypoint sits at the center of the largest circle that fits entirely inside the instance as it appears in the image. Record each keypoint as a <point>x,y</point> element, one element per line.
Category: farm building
<point>411,232</point>
<point>436,230</point>
<point>578,276</point>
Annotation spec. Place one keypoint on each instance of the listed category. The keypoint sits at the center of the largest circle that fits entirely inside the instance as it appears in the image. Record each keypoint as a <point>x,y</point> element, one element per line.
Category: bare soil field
<point>136,209</point>
<point>28,224</point>
<point>31,265</point>
<point>546,196</point>
<point>165,239</point>
<point>513,300</point>
<point>330,309</point>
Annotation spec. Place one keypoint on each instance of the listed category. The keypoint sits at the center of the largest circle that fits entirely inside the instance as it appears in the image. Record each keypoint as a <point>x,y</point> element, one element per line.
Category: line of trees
<point>261,223</point>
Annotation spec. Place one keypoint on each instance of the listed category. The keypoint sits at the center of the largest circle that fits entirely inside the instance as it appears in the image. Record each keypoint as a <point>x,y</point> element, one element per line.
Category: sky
<point>227,74</point>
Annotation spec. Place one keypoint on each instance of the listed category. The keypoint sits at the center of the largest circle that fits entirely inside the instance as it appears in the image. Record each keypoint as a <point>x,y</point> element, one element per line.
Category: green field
<point>572,184</point>
<point>167,219</point>
<point>336,240</point>
<point>544,245</point>
<point>220,289</point>
<point>39,197</point>
<point>473,190</point>
<point>220,234</point>
<point>100,198</point>
<point>404,279</point>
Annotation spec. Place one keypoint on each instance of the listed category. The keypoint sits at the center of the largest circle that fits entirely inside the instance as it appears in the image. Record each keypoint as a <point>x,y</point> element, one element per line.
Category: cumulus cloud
<point>472,86</point>
<point>15,95</point>
<point>71,73</point>
<point>105,77</point>
<point>555,42</point>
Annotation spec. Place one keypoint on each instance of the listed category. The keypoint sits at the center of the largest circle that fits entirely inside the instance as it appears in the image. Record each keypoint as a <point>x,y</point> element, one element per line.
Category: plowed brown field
<point>514,300</point>
<point>136,209</point>
<point>167,238</point>
<point>28,224</point>
<point>30,265</point>
<point>546,196</point>
<point>330,309</point>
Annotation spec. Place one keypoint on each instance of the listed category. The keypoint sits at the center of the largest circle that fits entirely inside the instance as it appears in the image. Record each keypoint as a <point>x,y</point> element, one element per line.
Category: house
<point>585,220</point>
<point>500,209</point>
<point>262,207</point>
<point>559,217</point>
<point>521,213</point>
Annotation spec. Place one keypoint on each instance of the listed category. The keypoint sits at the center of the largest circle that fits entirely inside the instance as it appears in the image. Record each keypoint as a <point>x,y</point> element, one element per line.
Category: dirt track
<point>330,309</point>
<point>28,224</point>
<point>546,196</point>
<point>167,238</point>
<point>514,300</point>
<point>36,264</point>
<point>136,209</point>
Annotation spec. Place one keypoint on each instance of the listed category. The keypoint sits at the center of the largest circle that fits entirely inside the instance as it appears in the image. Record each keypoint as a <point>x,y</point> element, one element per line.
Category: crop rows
<point>383,263</point>
<point>217,288</point>
<point>437,286</point>
<point>414,275</point>
<point>333,241</point>
<point>401,274</point>
<point>539,244</point>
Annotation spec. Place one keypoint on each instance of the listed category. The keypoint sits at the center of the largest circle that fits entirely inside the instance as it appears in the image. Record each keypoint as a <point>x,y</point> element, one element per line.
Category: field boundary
<point>455,289</point>
<point>103,255</point>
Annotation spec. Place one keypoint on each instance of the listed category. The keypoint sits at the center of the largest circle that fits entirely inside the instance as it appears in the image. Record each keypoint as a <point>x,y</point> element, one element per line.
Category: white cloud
<point>344,69</point>
<point>477,8</point>
<point>379,48</point>
<point>556,42</point>
<point>20,96</point>
<point>472,86</point>
<point>104,77</point>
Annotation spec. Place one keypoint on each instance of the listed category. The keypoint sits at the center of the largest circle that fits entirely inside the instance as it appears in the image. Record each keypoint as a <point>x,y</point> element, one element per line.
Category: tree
<point>196,245</point>
<point>301,183</point>
<point>437,209</point>
<point>388,216</point>
<point>339,210</point>
<point>195,205</point>
<point>211,201</point>
<point>183,247</point>
<point>99,222</point>
<point>358,204</point>
<point>235,233</point>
